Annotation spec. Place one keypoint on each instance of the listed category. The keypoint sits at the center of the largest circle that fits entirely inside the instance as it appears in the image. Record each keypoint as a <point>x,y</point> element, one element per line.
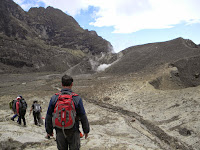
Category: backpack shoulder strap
<point>76,98</point>
<point>67,92</point>
<point>58,93</point>
<point>74,94</point>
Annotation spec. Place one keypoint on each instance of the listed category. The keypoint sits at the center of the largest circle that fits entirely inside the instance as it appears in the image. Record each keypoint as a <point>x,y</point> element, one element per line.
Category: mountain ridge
<point>138,57</point>
<point>175,62</point>
<point>42,43</point>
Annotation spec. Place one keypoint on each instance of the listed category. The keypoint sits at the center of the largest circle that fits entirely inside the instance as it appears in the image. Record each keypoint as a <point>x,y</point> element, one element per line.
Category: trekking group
<point>19,107</point>
<point>64,114</point>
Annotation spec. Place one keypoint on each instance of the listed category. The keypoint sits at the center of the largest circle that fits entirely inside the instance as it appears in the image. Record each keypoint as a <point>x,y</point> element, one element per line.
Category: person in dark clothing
<point>21,106</point>
<point>67,138</point>
<point>37,109</point>
<point>14,109</point>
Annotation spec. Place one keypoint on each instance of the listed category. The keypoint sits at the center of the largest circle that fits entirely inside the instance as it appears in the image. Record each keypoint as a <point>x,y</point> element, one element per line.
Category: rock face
<point>59,29</point>
<point>43,40</point>
<point>189,70</point>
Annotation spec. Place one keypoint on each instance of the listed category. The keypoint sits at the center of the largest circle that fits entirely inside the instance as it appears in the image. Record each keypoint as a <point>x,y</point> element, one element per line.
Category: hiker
<point>63,114</point>
<point>37,109</point>
<point>12,105</point>
<point>21,107</point>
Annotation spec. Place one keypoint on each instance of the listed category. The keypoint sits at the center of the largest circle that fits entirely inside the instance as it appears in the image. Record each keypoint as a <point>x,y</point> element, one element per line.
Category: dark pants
<point>15,115</point>
<point>23,118</point>
<point>36,116</point>
<point>72,140</point>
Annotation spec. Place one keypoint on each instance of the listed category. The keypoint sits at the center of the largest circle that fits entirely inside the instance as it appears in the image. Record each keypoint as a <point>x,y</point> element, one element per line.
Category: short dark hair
<point>67,80</point>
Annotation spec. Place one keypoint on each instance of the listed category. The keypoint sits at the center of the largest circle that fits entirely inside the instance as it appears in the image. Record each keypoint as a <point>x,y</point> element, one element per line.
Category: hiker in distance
<point>21,107</point>
<point>64,112</point>
<point>13,107</point>
<point>37,109</point>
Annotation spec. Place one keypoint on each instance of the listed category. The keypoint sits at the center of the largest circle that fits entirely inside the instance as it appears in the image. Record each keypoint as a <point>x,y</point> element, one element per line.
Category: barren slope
<point>149,57</point>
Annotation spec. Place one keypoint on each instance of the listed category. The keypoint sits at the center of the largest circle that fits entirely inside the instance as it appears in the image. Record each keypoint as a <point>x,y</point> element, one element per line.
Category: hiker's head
<point>67,81</point>
<point>18,98</point>
<point>35,101</point>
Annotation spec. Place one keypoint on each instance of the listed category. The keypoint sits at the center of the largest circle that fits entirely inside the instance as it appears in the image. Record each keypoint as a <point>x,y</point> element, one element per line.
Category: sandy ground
<point>125,113</point>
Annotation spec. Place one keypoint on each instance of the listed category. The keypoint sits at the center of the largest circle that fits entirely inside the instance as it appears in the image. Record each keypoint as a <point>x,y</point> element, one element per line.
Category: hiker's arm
<point>31,110</point>
<point>85,124</point>
<point>83,117</point>
<point>48,124</point>
<point>49,115</point>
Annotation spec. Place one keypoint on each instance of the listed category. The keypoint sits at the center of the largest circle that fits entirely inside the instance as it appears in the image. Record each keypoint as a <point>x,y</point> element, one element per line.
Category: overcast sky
<point>126,23</point>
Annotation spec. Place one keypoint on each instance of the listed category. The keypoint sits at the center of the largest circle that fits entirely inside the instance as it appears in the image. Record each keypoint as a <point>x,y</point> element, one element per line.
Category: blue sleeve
<point>52,104</point>
<point>49,115</point>
<point>80,110</point>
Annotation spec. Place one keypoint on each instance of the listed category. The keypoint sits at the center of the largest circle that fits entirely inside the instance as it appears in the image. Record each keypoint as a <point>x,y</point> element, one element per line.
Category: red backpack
<point>64,111</point>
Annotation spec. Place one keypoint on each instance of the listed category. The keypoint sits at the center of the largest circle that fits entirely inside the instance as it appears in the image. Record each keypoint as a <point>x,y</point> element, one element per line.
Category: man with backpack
<point>64,113</point>
<point>12,105</point>
<point>36,112</point>
<point>21,107</point>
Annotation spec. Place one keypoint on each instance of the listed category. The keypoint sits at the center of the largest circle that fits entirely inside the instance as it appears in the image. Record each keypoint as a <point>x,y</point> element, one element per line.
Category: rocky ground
<point>125,113</point>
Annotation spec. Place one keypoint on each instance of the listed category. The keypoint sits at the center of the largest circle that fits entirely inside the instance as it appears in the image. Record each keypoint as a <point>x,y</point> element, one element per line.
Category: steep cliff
<point>43,40</point>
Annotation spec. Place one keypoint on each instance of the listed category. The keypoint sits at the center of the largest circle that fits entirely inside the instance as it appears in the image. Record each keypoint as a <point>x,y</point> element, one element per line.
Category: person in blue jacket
<point>71,137</point>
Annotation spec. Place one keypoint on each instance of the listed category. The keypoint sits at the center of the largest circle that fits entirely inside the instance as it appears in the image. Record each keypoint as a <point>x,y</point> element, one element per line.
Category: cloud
<point>128,16</point>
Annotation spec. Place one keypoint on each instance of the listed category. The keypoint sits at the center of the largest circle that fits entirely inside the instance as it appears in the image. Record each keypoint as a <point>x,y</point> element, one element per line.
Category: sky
<point>126,23</point>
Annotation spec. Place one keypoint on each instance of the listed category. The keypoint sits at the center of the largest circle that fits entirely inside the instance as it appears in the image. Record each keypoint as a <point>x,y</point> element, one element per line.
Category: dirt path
<point>161,138</point>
